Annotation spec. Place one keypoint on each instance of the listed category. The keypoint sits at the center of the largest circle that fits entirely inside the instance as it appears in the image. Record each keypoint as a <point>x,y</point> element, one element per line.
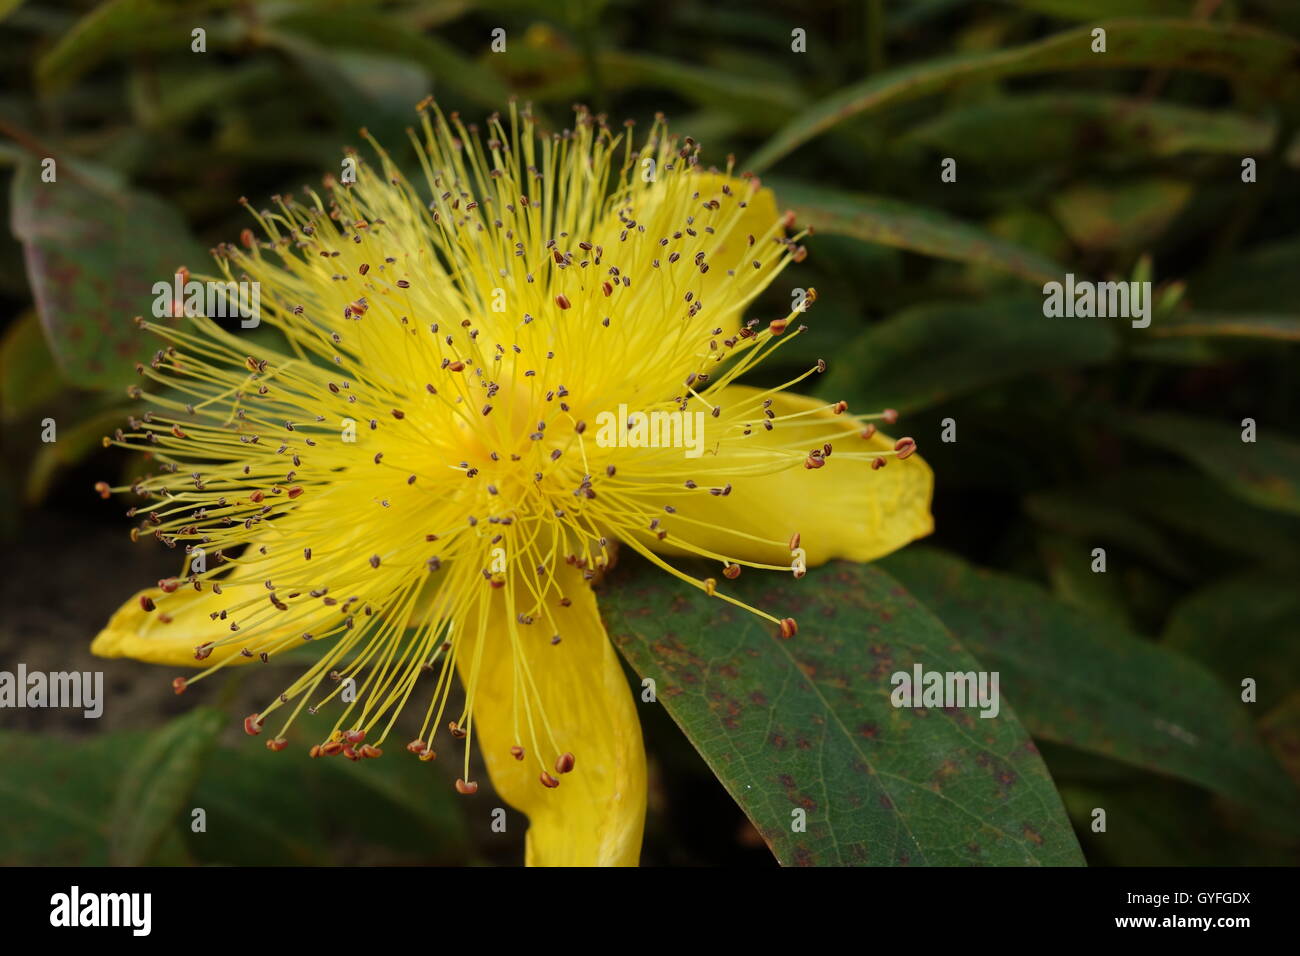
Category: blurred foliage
<point>1071,433</point>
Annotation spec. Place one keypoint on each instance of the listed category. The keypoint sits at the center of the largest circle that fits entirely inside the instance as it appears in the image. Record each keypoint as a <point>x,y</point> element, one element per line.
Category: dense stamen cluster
<point>424,444</point>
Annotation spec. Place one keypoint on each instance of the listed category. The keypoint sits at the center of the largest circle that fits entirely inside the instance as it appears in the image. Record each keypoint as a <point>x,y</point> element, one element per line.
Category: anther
<point>548,780</point>
<point>904,447</point>
<point>277,744</point>
<point>788,628</point>
<point>466,786</point>
<point>564,763</point>
<point>253,724</point>
<point>517,752</point>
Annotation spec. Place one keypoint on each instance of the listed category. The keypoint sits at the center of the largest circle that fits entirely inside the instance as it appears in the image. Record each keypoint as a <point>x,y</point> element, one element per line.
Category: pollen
<point>423,453</point>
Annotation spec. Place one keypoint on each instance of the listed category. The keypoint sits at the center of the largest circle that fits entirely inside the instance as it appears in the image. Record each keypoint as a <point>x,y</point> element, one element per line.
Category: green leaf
<point>1255,280</point>
<point>906,226</point>
<point>1265,472</point>
<point>124,27</point>
<point>1284,328</point>
<point>1281,731</point>
<point>1049,127</point>
<point>364,31</point>
<point>273,809</point>
<point>53,796</point>
<point>156,785</point>
<point>1085,682</point>
<point>808,723</point>
<point>93,256</point>
<point>1244,626</point>
<point>1195,506</point>
<point>1099,216</point>
<point>28,377</point>
<point>1094,9</point>
<point>930,353</point>
<point>1154,822</point>
<point>1109,523</point>
<point>75,441</point>
<point>1266,59</point>
<point>1068,563</point>
<point>765,103</point>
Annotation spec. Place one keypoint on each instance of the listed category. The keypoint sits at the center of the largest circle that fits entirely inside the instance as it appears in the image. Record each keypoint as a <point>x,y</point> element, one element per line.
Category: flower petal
<point>675,226</point>
<point>595,817</point>
<point>181,622</point>
<point>843,510</point>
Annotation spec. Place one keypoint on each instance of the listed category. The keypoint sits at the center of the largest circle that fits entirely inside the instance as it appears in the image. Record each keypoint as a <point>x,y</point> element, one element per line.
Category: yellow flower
<point>485,386</point>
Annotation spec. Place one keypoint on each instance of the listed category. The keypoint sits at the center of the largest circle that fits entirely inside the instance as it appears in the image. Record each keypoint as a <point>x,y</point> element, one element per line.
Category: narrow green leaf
<point>1049,127</point>
<point>1254,280</point>
<point>124,27</point>
<point>1265,472</point>
<point>156,784</point>
<point>1087,683</point>
<point>1095,9</point>
<point>1285,328</point>
<point>907,226</point>
<point>807,724</point>
<point>929,353</point>
<point>364,31</point>
<point>1266,59</point>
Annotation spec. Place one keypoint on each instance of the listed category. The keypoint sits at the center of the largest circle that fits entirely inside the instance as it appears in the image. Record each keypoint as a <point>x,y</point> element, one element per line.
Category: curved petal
<point>596,816</point>
<point>180,623</point>
<point>843,510</point>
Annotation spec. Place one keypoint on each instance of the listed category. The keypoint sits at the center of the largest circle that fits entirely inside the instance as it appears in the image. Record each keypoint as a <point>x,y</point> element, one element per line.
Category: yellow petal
<point>843,510</point>
<point>596,815</point>
<point>181,622</point>
<point>663,209</point>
